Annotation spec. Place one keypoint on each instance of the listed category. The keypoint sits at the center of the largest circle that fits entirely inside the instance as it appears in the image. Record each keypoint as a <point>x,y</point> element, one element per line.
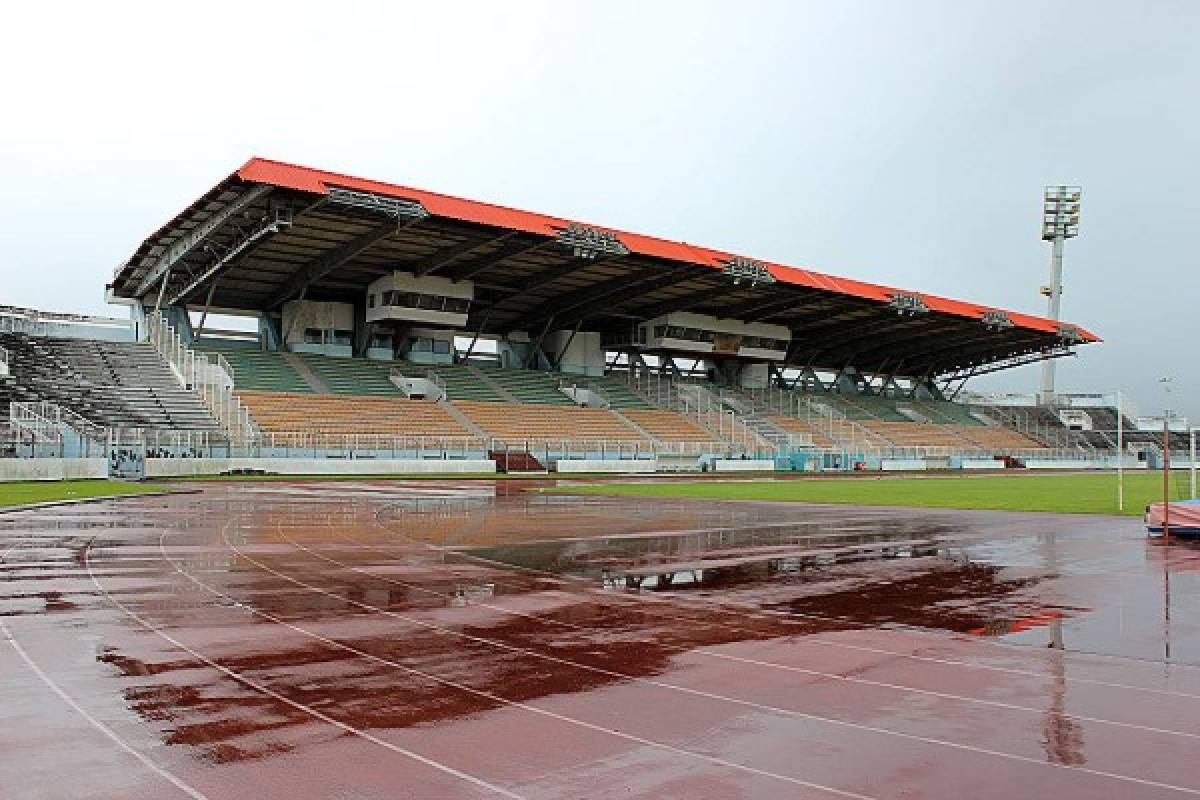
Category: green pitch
<point>1088,494</point>
<point>22,492</point>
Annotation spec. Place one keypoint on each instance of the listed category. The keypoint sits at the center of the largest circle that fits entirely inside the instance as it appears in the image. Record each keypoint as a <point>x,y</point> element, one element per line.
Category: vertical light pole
<point>1166,384</point>
<point>1060,221</point>
<point>1192,454</point>
<point>1120,455</point>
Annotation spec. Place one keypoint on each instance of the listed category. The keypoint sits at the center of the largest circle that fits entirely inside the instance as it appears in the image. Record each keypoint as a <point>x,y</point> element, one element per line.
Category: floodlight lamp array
<point>377,203</point>
<point>1070,334</point>
<point>996,320</point>
<point>748,270</point>
<point>590,243</point>
<point>908,304</point>
<point>1060,212</point>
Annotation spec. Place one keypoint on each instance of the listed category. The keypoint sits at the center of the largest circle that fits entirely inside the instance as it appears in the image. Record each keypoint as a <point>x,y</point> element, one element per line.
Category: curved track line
<point>676,601</point>
<point>95,723</point>
<point>715,760</point>
<point>709,695</point>
<point>258,687</point>
<point>771,664</point>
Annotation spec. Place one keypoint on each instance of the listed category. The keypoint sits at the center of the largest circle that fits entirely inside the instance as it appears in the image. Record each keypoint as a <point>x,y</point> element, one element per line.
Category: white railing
<point>697,404</point>
<point>64,416</point>
<point>27,418</point>
<point>208,375</point>
<point>336,445</point>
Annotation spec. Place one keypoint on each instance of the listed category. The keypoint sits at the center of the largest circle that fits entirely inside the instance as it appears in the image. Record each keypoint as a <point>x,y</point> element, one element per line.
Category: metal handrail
<point>201,375</point>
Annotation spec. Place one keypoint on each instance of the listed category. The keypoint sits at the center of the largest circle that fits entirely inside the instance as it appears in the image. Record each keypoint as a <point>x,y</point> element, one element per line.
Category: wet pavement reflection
<point>464,639</point>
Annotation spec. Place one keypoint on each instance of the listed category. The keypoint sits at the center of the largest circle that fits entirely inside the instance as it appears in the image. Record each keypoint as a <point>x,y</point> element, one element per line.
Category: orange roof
<point>307,179</point>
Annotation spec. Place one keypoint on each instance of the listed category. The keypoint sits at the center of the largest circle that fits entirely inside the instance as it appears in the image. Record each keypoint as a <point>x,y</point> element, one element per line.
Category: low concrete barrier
<point>181,467</point>
<point>627,466</point>
<point>982,463</point>
<point>749,465</point>
<point>1066,463</point>
<point>52,469</point>
<point>902,464</point>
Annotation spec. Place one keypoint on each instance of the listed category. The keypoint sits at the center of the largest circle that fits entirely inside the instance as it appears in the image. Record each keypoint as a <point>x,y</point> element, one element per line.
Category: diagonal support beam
<point>329,261</point>
<point>589,298</point>
<point>243,245</point>
<point>512,249</point>
<point>190,241</point>
<point>449,255</point>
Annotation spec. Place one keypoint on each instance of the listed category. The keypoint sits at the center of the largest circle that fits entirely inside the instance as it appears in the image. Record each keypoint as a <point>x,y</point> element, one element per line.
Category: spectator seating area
<point>128,384</point>
<point>308,412</point>
<point>666,426</point>
<point>120,384</point>
<point>515,423</point>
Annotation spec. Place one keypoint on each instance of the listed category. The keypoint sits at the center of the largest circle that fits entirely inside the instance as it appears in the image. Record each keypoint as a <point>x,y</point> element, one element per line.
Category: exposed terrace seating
<point>998,438</point>
<point>352,376</point>
<point>792,425</point>
<point>462,382</point>
<point>259,371</point>
<point>528,386</point>
<point>515,423</point>
<point>308,412</point>
<point>123,384</point>
<point>618,393</point>
<point>918,434</point>
<point>667,426</point>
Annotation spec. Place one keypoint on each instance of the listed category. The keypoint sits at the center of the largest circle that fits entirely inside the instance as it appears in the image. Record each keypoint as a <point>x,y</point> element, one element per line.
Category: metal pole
<point>1167,476</point>
<point>1120,456</point>
<point>1192,465</point>
<point>1062,228</point>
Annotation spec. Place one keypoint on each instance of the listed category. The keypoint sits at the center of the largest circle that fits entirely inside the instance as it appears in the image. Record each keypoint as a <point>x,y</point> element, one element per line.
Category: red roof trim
<point>306,179</point>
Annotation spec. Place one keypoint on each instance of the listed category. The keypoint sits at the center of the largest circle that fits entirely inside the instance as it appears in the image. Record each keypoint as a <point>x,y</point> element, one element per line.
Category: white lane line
<point>95,723</point>
<point>710,695</point>
<point>258,687</point>
<point>769,664</point>
<point>715,760</point>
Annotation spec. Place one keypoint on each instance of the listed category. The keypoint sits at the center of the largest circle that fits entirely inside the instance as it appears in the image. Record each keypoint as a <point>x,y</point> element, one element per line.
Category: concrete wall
<point>52,469</point>
<point>982,463</point>
<point>627,466</point>
<point>176,467</point>
<point>737,465</point>
<point>1066,463</point>
<point>901,464</point>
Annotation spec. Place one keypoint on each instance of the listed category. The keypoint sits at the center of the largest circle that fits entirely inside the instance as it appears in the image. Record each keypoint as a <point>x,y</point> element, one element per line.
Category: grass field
<point>22,492</point>
<point>1086,494</point>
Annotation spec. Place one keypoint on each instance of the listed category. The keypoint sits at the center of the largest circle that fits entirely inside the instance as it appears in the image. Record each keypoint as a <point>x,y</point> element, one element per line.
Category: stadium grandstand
<point>394,329</point>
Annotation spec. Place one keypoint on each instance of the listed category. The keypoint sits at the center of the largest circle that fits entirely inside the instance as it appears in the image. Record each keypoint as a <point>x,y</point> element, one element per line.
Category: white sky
<point>905,143</point>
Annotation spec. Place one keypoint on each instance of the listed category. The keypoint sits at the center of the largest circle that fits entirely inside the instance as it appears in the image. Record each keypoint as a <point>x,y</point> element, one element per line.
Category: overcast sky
<point>905,143</point>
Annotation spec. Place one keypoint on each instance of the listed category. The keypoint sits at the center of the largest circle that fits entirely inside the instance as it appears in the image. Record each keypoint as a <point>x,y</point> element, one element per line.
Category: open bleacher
<point>527,386</point>
<point>259,371</point>
<point>358,377</point>
<point>308,412</point>
<point>667,426</point>
<point>515,423</point>
<point>119,384</point>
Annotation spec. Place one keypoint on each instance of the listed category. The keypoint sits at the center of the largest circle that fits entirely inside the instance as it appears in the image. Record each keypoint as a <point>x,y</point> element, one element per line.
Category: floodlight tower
<point>1060,221</point>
